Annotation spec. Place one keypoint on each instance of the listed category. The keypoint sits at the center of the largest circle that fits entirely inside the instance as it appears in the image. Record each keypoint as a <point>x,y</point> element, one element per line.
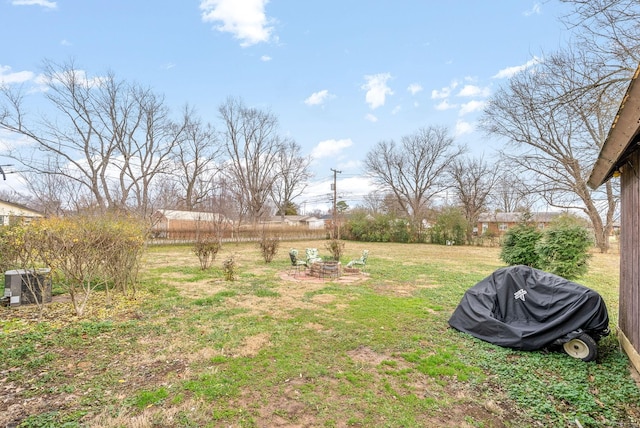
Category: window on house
<point>502,227</point>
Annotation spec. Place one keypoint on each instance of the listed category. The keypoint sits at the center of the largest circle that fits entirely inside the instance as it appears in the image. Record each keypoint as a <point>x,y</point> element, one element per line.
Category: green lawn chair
<point>362,261</point>
<point>296,263</point>
<point>312,256</point>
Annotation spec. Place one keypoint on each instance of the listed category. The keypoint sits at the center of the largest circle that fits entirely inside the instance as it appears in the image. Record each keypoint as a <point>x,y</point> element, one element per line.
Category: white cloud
<point>265,58</point>
<point>444,105</point>
<point>318,98</point>
<point>536,9</point>
<point>65,42</point>
<point>245,19</point>
<point>509,72</point>
<point>444,92</point>
<point>7,77</point>
<point>471,106</point>
<point>43,3</point>
<point>330,148</point>
<point>350,164</point>
<point>396,109</point>
<point>377,89</point>
<point>463,128</point>
<point>474,91</point>
<point>414,88</point>
<point>371,118</point>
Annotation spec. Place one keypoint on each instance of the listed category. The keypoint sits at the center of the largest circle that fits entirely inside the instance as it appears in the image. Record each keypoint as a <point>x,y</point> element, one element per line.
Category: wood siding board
<point>629,303</point>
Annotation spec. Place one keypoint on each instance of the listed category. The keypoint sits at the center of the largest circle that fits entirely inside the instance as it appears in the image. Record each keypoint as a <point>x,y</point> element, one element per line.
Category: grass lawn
<point>268,350</point>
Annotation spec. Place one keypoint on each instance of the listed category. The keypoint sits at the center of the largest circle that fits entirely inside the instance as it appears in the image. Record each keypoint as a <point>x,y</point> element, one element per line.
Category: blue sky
<point>341,75</point>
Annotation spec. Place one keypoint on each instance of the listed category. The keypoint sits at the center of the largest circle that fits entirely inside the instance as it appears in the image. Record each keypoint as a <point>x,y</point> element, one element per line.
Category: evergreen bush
<point>564,250</point>
<point>519,246</point>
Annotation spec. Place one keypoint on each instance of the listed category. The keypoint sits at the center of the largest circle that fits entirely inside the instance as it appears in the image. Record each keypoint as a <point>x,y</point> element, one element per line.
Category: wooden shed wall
<point>629,318</point>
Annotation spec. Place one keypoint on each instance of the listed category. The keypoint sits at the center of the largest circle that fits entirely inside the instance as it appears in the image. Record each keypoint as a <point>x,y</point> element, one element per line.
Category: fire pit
<point>326,269</point>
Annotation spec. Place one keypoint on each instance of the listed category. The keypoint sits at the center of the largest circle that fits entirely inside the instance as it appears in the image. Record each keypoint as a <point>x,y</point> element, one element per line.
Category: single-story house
<point>176,224</point>
<point>310,222</point>
<point>10,213</point>
<point>620,157</point>
<point>498,223</point>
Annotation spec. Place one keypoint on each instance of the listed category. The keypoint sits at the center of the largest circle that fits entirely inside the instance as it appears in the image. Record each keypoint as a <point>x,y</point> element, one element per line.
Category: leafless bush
<point>230,268</point>
<point>336,248</point>
<point>269,247</point>
<point>206,248</point>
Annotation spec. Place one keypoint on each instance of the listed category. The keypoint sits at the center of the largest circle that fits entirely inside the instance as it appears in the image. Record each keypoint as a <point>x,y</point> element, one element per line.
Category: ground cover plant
<point>193,349</point>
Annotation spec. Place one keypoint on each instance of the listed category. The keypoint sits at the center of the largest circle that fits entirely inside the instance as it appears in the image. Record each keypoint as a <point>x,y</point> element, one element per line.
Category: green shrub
<point>564,250</point>
<point>378,228</point>
<point>519,246</point>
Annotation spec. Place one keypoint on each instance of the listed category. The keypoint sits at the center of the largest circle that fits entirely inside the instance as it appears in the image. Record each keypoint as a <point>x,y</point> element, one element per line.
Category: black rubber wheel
<point>582,347</point>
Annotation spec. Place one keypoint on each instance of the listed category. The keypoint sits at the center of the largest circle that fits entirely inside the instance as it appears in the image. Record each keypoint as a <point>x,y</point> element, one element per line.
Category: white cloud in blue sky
<point>536,9</point>
<point>445,91</point>
<point>377,89</point>
<point>445,105</point>
<point>471,107</point>
<point>330,148</point>
<point>463,128</point>
<point>44,3</point>
<point>509,72</point>
<point>9,77</point>
<point>474,91</point>
<point>414,88</point>
<point>244,19</point>
<point>318,98</point>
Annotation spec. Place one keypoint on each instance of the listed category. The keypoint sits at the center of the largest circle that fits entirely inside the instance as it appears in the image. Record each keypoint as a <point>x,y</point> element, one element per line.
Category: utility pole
<point>336,229</point>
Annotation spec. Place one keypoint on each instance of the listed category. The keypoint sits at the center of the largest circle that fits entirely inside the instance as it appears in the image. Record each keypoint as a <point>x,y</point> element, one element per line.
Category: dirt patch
<point>366,355</point>
<point>252,345</point>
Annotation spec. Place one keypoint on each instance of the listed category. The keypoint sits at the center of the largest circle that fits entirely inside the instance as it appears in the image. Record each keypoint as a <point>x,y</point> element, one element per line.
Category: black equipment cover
<point>525,308</point>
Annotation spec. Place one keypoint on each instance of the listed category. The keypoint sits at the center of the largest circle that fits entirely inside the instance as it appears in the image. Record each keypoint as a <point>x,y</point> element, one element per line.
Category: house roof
<point>623,136</point>
<point>515,217</point>
<point>8,208</point>
<point>293,218</point>
<point>190,215</point>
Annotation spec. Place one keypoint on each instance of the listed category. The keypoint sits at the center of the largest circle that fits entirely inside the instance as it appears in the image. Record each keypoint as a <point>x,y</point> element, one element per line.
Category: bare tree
<point>196,157</point>
<point>373,203</point>
<point>511,193</point>
<point>254,147</point>
<point>168,193</point>
<point>556,119</point>
<point>108,137</point>
<point>292,174</point>
<point>73,143</point>
<point>473,180</point>
<point>145,153</point>
<point>413,171</point>
<point>608,31</point>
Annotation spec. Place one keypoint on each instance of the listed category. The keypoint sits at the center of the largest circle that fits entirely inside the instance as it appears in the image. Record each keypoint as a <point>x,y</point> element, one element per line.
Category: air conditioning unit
<point>27,286</point>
